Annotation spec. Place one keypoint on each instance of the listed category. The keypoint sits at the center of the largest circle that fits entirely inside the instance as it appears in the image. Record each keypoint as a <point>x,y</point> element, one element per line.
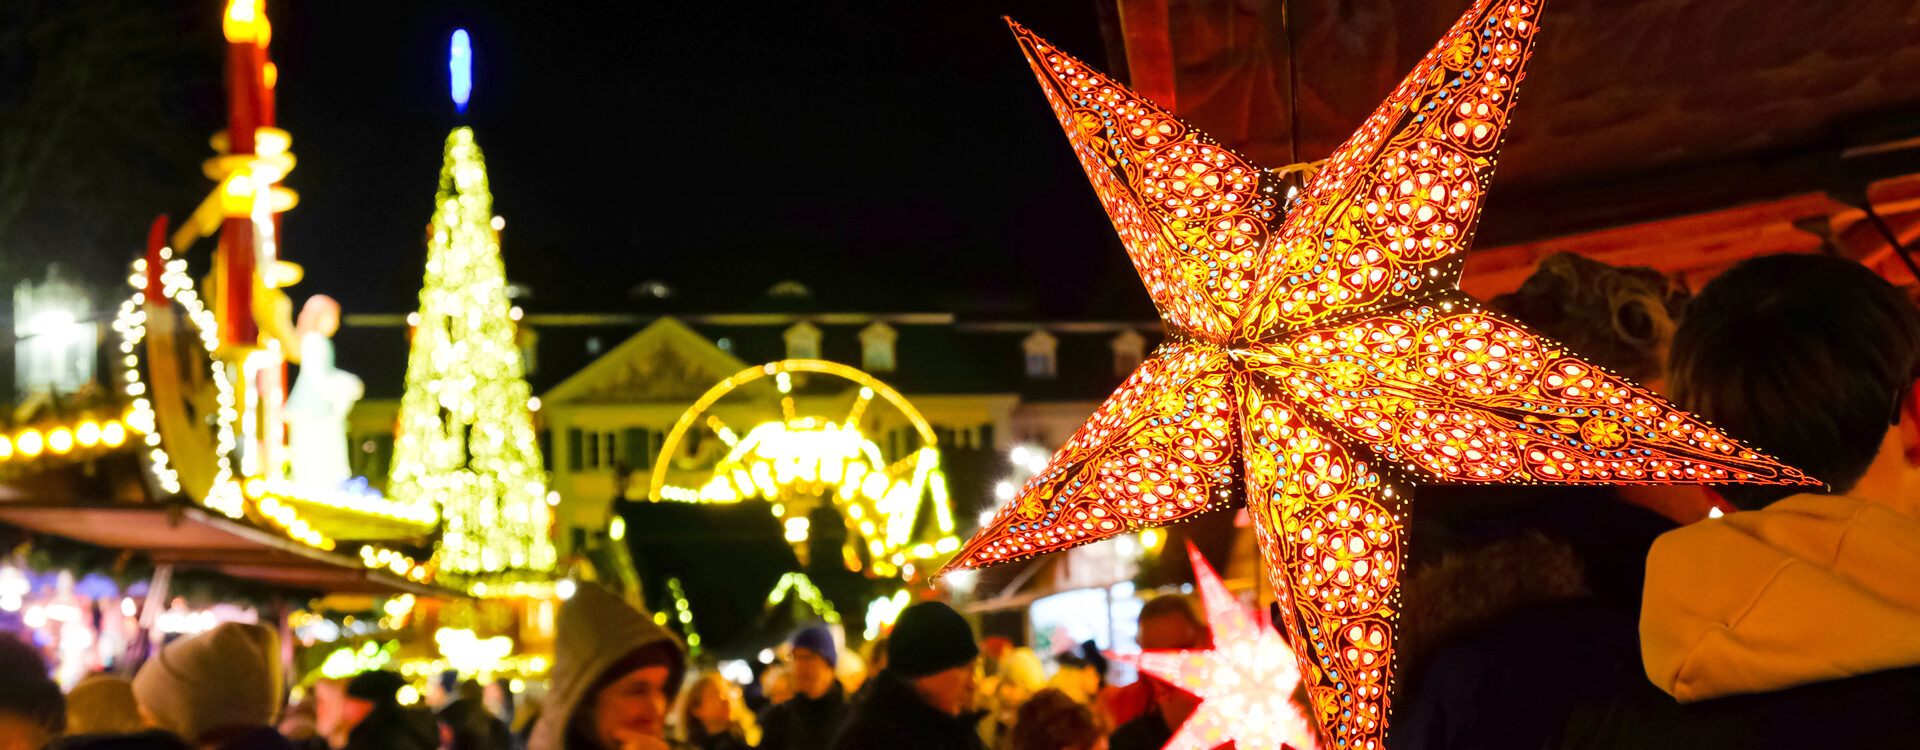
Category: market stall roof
<point>1633,111</point>
<point>191,537</point>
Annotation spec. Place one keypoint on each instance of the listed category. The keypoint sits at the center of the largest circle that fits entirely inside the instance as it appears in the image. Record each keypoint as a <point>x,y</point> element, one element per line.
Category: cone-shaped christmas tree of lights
<point>466,443</point>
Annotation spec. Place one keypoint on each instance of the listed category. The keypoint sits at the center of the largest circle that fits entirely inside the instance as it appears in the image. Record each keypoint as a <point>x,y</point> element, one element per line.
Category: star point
<point>1321,359</point>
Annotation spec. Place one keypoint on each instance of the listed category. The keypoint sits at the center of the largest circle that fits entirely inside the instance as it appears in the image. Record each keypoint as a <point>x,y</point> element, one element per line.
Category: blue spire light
<point>460,65</point>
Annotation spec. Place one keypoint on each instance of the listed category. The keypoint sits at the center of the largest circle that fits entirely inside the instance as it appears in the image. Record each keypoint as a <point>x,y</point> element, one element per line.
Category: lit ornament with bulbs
<point>1245,683</point>
<point>1321,358</point>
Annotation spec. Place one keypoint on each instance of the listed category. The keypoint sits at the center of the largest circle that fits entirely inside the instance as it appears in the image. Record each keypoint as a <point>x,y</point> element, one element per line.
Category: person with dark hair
<point>219,689</point>
<point>1170,622</point>
<point>1795,622</point>
<point>32,711</point>
<point>614,673</point>
<point>379,721</point>
<point>465,724</point>
<point>917,701</point>
<point>1052,720</point>
<point>808,720</point>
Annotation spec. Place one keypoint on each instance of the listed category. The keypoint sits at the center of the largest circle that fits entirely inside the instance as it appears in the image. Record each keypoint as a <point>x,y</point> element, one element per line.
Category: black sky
<point>891,155</point>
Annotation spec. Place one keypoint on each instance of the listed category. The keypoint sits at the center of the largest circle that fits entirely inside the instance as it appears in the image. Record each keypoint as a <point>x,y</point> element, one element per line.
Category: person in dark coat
<point>1523,601</point>
<point>808,720</point>
<point>384,724</point>
<point>467,725</point>
<point>917,702</point>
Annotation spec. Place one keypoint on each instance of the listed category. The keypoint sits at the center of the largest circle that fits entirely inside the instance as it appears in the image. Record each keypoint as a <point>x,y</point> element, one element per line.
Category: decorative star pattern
<point>1321,358</point>
<point>1245,683</point>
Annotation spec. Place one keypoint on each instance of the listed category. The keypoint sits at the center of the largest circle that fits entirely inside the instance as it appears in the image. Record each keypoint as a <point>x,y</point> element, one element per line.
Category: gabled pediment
<point>666,361</point>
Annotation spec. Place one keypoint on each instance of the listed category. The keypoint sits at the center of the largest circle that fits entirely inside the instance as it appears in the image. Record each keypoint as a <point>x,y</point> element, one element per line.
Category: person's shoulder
<point>865,728</point>
<point>1876,710</point>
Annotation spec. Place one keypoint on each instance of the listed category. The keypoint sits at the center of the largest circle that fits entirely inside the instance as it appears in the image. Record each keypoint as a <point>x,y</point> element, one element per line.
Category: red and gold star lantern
<point>1321,359</point>
<point>1245,683</point>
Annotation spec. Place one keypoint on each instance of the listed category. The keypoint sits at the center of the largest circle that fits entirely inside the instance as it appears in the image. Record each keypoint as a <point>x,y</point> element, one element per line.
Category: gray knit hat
<point>223,680</point>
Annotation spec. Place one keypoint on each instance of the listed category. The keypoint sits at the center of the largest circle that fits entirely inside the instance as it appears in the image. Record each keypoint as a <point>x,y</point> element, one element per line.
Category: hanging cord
<point>1856,197</point>
<point>1305,171</point>
<point>1293,85</point>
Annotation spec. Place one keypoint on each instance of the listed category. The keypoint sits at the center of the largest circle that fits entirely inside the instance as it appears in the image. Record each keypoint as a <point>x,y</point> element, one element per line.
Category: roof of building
<point>934,353</point>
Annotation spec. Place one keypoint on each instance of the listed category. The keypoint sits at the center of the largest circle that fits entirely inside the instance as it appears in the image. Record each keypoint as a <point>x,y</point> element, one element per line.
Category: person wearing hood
<point>808,720</point>
<point>1796,621</point>
<point>917,702</point>
<point>219,689</point>
<point>614,673</point>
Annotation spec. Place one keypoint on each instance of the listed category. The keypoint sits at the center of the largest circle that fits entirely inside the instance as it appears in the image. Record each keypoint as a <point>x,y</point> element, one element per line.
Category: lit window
<point>56,341</point>
<point>1129,350</point>
<point>803,341</point>
<point>1040,348</point>
<point>876,347</point>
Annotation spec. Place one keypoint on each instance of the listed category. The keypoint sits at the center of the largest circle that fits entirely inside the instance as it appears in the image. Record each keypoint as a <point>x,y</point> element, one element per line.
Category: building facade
<point>609,388</point>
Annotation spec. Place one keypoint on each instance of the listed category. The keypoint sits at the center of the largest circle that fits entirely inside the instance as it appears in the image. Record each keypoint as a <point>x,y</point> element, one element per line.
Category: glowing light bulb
<point>460,69</point>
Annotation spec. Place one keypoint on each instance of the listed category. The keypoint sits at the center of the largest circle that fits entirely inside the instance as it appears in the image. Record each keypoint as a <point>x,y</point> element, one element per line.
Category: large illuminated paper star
<point>1245,682</point>
<point>1320,357</point>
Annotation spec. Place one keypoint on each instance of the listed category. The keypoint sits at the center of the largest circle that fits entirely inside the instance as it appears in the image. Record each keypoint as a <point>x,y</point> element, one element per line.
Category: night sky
<point>890,155</point>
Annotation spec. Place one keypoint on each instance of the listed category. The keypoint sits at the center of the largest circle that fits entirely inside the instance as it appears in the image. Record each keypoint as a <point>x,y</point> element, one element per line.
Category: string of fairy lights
<point>223,494</point>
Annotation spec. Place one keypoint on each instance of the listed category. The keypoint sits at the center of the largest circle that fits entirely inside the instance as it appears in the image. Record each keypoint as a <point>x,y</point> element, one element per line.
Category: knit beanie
<point>929,638</point>
<point>103,704</point>
<point>819,640</point>
<point>225,679</point>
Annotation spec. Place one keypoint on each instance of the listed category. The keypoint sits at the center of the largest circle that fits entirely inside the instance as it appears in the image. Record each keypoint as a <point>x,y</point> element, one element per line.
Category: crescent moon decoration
<point>183,404</point>
<point>1321,358</point>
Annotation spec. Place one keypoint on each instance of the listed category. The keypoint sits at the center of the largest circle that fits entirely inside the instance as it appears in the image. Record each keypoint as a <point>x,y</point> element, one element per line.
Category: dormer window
<point>1129,350</point>
<point>876,347</point>
<point>803,341</point>
<point>1041,348</point>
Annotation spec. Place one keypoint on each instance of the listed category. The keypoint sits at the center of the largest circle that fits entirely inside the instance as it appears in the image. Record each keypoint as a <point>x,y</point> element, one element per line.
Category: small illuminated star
<point>1245,683</point>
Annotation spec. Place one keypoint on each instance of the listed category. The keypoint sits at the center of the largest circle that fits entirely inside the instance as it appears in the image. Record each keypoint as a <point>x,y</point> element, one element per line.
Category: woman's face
<point>635,704</point>
<point>710,707</point>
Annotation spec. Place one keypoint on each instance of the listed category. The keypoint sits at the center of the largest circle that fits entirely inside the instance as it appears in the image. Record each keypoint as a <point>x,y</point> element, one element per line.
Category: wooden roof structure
<point>1682,135</point>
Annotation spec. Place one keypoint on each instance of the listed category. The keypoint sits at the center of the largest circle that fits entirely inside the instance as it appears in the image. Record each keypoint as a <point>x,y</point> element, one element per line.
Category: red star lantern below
<point>1245,683</point>
<point>1320,357</point>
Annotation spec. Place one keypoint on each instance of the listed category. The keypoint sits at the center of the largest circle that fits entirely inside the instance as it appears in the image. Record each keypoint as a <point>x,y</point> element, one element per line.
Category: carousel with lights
<point>828,458</point>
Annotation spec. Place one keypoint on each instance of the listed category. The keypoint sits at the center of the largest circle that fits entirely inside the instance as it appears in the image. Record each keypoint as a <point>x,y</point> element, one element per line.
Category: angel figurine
<point>318,404</point>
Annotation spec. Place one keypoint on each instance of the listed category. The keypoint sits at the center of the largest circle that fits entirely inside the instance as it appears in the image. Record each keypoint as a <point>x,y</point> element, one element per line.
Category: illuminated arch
<point>791,455</point>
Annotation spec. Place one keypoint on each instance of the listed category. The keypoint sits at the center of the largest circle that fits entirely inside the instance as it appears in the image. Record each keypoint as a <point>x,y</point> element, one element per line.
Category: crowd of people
<point>1597,617</point>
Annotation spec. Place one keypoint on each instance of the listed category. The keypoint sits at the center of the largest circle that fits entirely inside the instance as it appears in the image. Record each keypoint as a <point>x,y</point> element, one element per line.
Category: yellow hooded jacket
<point>1811,589</point>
